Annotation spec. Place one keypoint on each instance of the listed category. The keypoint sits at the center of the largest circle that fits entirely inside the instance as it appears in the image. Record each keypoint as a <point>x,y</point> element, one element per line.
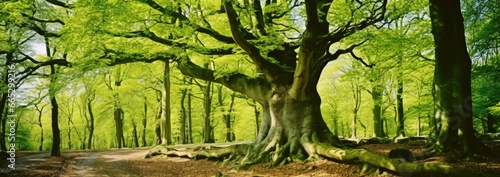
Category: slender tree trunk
<point>165,126</point>
<point>452,80</point>
<point>40,148</point>
<point>490,121</point>
<point>230,136</point>
<point>357,103</point>
<point>386,129</point>
<point>4,123</point>
<point>183,115</point>
<point>419,116</point>
<point>69,134</point>
<point>400,130</point>
<point>144,123</point>
<point>257,115</point>
<point>118,116</point>
<point>56,135</point>
<point>335,119</point>
<point>3,102</point>
<point>158,120</point>
<point>189,110</point>
<point>134,134</point>
<point>377,110</point>
<point>91,126</point>
<point>207,109</point>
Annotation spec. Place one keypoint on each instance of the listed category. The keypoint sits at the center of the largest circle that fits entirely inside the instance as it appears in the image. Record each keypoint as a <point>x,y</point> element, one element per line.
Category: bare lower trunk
<point>157,140</point>
<point>490,121</point>
<point>118,116</point>
<point>377,111</point>
<point>230,136</point>
<point>400,130</point>
<point>91,126</point>
<point>134,134</point>
<point>190,127</point>
<point>183,117</point>
<point>69,134</point>
<point>144,123</point>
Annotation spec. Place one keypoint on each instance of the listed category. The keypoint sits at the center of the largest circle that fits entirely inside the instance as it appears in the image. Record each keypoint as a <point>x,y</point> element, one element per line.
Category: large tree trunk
<point>290,127</point>
<point>452,80</point>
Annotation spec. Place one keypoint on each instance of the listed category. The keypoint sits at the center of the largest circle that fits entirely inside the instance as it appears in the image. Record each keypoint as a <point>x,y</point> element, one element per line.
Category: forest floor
<point>131,162</point>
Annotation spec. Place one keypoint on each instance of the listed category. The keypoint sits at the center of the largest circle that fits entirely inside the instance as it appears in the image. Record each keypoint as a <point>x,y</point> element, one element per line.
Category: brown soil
<point>130,162</point>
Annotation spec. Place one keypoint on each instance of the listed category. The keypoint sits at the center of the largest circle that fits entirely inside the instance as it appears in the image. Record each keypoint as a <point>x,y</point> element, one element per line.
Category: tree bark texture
<point>452,79</point>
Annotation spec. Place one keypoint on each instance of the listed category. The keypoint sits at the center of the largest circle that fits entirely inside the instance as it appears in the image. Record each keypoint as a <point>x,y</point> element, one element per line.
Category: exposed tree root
<point>395,165</point>
<point>280,155</point>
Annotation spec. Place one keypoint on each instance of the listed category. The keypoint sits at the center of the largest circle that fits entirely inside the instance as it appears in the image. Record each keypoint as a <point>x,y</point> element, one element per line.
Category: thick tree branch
<point>255,88</point>
<point>328,56</point>
<point>270,69</point>
<point>259,15</point>
<point>311,49</point>
<point>333,56</point>
<point>152,36</point>
<point>182,18</point>
<point>41,31</point>
<point>31,69</point>
<point>312,14</point>
<point>165,11</point>
<point>360,59</point>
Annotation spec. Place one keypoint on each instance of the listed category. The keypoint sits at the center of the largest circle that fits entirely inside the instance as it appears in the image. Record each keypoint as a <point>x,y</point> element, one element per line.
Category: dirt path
<point>24,160</point>
<point>105,163</point>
